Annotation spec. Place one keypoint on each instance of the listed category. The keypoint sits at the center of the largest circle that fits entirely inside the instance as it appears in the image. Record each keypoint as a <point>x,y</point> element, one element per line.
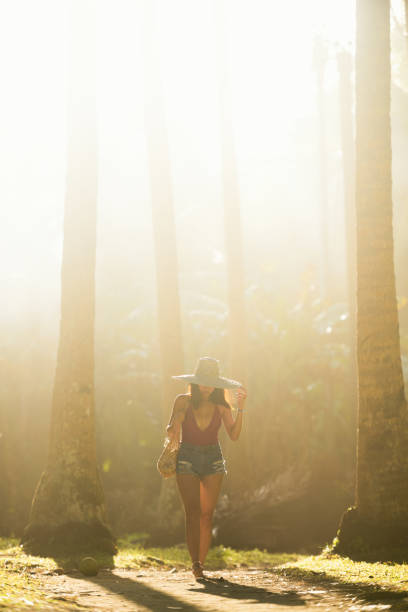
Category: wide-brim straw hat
<point>207,374</point>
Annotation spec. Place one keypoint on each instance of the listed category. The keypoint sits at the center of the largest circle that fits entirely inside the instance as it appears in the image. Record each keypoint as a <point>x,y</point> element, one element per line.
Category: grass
<point>22,591</point>
<point>331,567</point>
<point>22,576</point>
<point>133,555</point>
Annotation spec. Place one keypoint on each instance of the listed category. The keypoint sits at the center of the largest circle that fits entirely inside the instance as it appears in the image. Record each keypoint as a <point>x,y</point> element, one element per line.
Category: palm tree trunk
<point>345,66</point>
<point>237,326</point>
<point>320,59</point>
<point>169,523</point>
<point>168,300</point>
<point>344,61</point>
<point>68,510</point>
<point>380,516</point>
<point>6,473</point>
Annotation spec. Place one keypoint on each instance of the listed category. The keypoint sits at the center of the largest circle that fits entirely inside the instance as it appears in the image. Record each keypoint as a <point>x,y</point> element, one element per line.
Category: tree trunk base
<point>68,538</point>
<point>360,538</point>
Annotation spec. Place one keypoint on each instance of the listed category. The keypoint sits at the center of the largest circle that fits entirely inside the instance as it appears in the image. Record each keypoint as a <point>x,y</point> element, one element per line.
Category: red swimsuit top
<point>192,434</point>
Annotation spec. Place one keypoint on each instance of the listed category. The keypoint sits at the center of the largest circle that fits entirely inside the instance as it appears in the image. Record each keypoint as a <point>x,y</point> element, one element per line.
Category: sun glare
<point>269,50</point>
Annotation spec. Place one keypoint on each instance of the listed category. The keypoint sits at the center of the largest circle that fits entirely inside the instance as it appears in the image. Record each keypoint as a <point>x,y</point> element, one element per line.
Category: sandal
<point>197,569</point>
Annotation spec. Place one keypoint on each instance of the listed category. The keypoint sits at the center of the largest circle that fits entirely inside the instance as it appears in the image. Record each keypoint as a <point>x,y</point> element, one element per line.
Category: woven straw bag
<point>167,461</point>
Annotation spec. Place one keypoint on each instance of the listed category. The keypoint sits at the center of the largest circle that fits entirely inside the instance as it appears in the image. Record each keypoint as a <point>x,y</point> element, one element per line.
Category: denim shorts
<point>200,460</point>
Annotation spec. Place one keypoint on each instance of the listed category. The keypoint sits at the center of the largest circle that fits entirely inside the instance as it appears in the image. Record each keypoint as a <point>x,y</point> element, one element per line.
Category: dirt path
<point>230,590</point>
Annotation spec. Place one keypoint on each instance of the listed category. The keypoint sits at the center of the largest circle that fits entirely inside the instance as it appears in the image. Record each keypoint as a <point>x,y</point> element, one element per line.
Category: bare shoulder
<point>181,402</point>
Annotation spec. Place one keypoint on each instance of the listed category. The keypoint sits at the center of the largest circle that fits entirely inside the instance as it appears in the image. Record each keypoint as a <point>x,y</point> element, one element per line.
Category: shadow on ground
<point>370,594</point>
<point>157,600</point>
<point>235,590</point>
<point>139,593</point>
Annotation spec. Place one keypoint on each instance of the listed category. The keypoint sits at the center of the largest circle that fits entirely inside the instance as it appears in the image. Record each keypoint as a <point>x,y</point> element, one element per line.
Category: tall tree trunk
<point>345,66</point>
<point>344,62</point>
<point>320,57</point>
<point>68,510</point>
<point>6,454</point>
<point>380,518</point>
<point>170,515</point>
<point>320,60</point>
<point>168,300</point>
<point>237,327</point>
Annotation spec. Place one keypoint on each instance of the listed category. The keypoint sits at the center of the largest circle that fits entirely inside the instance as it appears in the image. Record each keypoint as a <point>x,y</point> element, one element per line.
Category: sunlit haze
<point>273,100</point>
<point>189,179</point>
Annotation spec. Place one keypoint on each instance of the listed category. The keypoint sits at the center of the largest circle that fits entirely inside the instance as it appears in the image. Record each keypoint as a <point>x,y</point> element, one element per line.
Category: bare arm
<point>234,427</point>
<point>176,419</point>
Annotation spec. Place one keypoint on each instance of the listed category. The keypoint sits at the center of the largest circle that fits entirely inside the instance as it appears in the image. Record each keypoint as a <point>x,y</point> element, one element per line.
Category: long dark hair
<point>216,397</point>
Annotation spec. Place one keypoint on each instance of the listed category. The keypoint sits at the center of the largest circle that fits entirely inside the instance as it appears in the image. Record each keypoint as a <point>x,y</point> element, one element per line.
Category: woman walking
<point>200,464</point>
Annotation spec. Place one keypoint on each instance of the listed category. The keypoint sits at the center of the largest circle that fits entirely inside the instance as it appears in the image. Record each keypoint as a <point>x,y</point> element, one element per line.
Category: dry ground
<point>239,590</point>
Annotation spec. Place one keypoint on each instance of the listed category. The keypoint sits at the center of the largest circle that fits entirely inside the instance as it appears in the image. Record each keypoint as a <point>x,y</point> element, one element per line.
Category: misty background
<point>299,355</point>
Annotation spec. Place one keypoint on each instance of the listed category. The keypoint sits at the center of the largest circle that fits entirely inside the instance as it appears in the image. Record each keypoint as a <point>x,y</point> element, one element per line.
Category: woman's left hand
<point>241,397</point>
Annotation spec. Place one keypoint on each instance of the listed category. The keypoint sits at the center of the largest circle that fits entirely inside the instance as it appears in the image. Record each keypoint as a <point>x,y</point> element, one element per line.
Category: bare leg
<point>210,487</point>
<point>189,487</point>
